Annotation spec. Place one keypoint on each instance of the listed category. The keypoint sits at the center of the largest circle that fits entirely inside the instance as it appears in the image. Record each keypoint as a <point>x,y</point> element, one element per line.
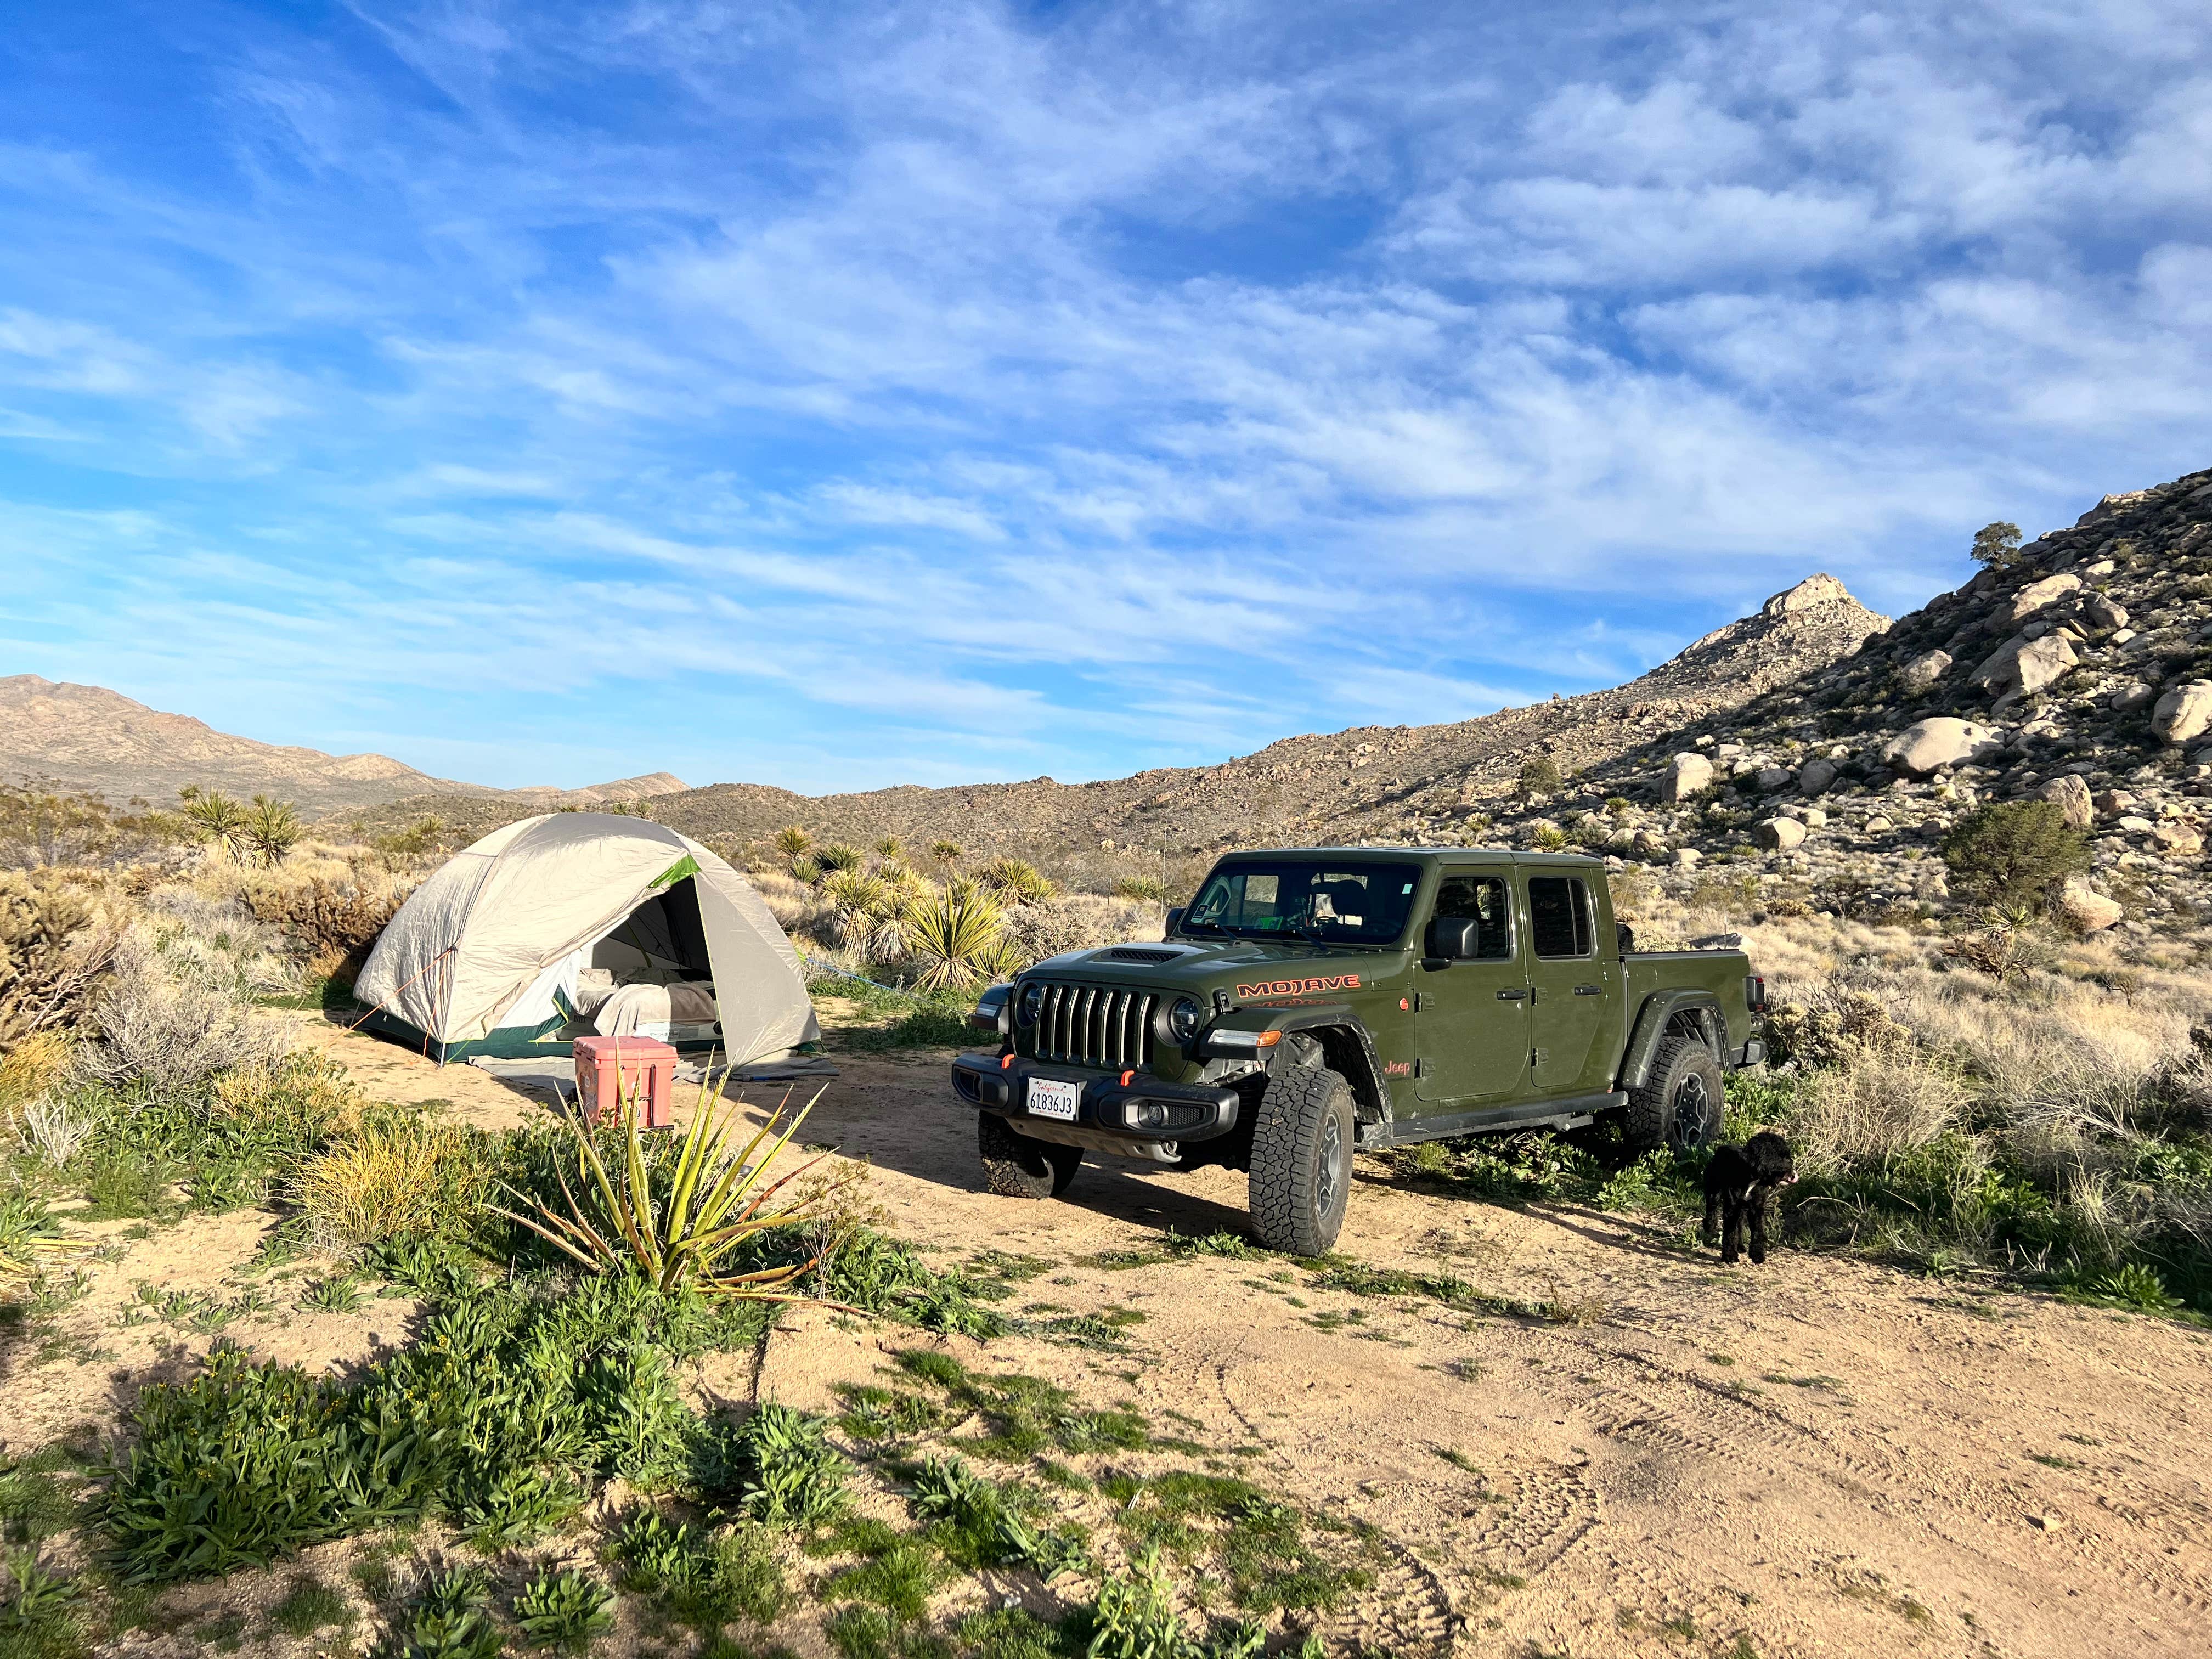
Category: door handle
<point>1590,990</point>
<point>1513,994</point>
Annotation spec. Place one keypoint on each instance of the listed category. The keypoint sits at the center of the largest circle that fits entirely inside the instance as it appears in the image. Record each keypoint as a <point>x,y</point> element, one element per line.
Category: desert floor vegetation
<point>411,1385</point>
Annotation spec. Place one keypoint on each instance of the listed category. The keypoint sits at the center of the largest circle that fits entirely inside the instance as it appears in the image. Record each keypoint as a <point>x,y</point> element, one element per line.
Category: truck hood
<point>1250,970</point>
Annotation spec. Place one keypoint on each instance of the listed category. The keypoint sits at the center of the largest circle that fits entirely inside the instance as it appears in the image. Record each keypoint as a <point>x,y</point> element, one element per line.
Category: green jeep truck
<point>1316,1000</point>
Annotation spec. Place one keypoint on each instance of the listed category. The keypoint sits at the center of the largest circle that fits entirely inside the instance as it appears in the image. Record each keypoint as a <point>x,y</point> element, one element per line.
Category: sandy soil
<point>1820,1456</point>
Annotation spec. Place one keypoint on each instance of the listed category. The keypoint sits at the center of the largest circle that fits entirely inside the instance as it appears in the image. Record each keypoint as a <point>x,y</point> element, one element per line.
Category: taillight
<point>1754,993</point>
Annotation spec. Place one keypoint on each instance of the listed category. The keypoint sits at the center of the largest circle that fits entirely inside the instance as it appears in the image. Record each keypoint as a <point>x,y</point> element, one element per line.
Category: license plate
<point>1056,1100</point>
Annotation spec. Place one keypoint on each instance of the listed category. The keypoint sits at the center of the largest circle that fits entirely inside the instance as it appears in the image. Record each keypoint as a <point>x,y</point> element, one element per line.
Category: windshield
<point>1333,904</point>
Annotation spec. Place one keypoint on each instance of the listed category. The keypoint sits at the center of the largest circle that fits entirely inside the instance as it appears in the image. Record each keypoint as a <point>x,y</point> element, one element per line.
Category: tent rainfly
<point>541,922</point>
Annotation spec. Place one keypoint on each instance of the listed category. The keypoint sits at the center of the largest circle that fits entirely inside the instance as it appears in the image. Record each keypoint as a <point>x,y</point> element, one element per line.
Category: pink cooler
<point>613,1071</point>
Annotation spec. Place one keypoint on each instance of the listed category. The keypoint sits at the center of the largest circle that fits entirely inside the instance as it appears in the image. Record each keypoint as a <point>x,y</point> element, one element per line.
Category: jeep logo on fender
<point>1298,988</point>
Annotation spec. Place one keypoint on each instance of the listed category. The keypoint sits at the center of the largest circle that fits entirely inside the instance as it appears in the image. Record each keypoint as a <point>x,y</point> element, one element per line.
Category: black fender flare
<point>1348,1048</point>
<point>1660,1011</point>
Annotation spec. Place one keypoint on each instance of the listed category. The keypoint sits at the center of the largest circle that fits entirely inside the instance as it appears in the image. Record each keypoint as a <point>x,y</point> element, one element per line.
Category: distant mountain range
<point>84,736</point>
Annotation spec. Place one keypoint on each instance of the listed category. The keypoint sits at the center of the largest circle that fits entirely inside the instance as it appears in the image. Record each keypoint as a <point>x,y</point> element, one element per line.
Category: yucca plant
<point>272,829</point>
<point>956,936</point>
<point>677,1224</point>
<point>216,817</point>
<point>1019,879</point>
<point>792,841</point>
<point>946,853</point>
<point>837,856</point>
<point>860,903</point>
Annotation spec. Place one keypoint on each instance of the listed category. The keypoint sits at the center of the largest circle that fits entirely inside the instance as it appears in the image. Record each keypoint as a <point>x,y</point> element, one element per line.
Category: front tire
<point>1301,1175</point>
<point>1680,1103</point>
<point>1015,1166</point>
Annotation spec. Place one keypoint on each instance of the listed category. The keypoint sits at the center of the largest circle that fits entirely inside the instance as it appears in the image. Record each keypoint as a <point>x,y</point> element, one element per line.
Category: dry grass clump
<point>392,1179</point>
<point>1873,1105</point>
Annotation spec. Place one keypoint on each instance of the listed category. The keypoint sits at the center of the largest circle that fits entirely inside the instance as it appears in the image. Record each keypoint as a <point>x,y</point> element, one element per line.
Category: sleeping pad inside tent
<point>581,922</point>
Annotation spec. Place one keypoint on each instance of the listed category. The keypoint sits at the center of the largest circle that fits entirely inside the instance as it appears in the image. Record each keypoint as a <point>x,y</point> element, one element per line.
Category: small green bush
<point>1539,775</point>
<point>564,1610</point>
<point>2013,853</point>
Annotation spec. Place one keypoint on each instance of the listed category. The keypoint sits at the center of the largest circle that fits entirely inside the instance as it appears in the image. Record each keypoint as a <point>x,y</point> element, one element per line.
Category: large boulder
<point>2177,837</point>
<point>2036,595</point>
<point>2071,796</point>
<point>1818,778</point>
<point>2020,667</point>
<point>1927,746</point>
<point>2104,614</point>
<point>1771,778</point>
<point>1925,669</point>
<point>1687,774</point>
<point>1780,835</point>
<point>1813,592</point>
<point>2090,912</point>
<point>2183,712</point>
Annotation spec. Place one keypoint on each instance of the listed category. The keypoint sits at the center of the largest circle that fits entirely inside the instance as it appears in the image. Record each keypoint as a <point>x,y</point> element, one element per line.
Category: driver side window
<point>1486,900</point>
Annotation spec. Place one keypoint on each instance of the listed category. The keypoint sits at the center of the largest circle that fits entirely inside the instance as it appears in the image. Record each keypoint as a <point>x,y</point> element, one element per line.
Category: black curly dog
<point>1740,1180</point>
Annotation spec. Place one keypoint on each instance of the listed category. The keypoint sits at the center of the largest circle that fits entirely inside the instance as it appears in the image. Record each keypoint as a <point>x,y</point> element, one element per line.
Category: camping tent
<point>508,943</point>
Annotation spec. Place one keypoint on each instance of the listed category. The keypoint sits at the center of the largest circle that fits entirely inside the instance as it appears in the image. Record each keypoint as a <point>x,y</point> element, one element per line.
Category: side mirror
<point>1175,921</point>
<point>1456,938</point>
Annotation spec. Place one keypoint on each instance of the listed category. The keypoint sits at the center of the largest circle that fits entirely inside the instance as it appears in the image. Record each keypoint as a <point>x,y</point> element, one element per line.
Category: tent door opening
<point>651,974</point>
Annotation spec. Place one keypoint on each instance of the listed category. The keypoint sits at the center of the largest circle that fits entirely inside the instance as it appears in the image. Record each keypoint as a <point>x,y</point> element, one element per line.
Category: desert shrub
<point>1017,879</point>
<point>177,1006</point>
<point>1539,775</point>
<point>53,955</point>
<point>333,925</point>
<point>1549,838</point>
<point>396,1177</point>
<point>401,847</point>
<point>1148,887</point>
<point>2014,851</point>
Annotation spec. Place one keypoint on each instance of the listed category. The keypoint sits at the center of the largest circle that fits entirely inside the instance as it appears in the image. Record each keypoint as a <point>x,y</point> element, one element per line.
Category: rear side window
<point>1486,900</point>
<point>1559,916</point>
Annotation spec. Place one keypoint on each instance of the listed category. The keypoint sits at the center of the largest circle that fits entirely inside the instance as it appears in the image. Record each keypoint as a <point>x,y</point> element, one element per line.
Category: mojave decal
<point>1298,988</point>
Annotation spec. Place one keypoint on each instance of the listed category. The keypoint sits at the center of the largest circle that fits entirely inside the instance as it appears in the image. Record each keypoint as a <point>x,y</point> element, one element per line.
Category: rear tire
<point>1015,1166</point>
<point>1301,1177</point>
<point>1680,1103</point>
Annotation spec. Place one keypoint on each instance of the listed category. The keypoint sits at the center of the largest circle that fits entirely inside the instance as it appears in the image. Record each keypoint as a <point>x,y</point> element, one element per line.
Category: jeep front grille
<point>1094,1025</point>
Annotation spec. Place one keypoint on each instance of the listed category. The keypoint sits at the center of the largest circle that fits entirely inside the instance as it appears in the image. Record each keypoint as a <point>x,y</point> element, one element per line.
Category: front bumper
<point>1106,1107</point>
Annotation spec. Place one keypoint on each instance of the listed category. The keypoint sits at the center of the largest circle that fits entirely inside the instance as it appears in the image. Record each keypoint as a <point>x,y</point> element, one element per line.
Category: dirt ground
<point>1819,1456</point>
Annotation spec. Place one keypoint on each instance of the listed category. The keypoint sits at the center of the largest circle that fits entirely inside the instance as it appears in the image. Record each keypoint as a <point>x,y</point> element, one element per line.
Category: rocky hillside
<point>2081,674</point>
<point>83,737</point>
<point>1371,783</point>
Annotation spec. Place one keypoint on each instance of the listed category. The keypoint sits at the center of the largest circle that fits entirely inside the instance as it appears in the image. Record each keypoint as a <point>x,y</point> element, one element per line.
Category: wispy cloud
<point>852,394</point>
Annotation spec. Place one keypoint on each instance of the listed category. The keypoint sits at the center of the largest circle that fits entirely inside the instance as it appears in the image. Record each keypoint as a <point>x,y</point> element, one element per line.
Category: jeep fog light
<point>1149,1115</point>
<point>1183,1019</point>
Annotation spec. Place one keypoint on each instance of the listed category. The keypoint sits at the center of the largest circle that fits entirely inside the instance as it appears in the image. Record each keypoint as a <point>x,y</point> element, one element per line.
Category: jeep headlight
<point>1183,1019</point>
<point>1031,1003</point>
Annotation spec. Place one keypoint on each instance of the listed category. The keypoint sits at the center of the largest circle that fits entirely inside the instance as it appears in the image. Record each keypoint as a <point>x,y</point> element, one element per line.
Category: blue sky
<point>838,396</point>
